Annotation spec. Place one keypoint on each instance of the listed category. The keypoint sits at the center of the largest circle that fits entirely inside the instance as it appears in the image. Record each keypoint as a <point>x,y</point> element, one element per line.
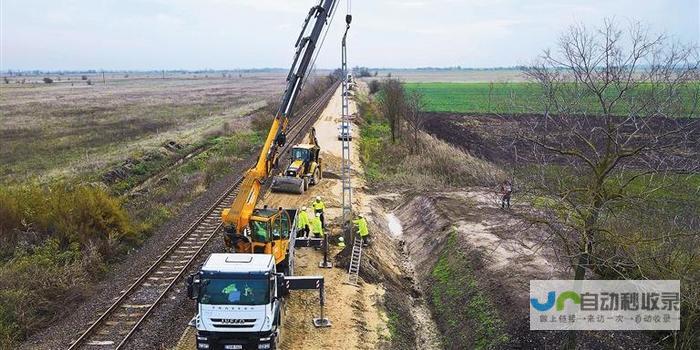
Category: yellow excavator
<point>304,168</point>
<point>251,230</point>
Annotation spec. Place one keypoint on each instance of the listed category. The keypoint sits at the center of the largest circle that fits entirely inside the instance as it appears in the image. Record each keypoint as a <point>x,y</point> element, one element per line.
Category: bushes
<point>436,164</point>
<point>37,284</point>
<point>261,123</point>
<point>55,239</point>
<point>374,86</point>
<point>81,214</point>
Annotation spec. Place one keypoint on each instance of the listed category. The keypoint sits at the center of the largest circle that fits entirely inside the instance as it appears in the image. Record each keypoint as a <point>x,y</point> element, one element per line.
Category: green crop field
<point>507,98</point>
<point>478,97</point>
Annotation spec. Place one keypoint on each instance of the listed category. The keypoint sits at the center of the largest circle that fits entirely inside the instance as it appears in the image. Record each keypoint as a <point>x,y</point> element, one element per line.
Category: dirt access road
<point>359,321</point>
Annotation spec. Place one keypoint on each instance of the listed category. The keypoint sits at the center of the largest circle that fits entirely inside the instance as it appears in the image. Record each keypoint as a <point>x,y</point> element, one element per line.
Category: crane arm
<point>238,215</point>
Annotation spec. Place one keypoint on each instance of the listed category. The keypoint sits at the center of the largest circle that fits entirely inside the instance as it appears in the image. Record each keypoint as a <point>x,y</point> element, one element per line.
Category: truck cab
<point>238,302</point>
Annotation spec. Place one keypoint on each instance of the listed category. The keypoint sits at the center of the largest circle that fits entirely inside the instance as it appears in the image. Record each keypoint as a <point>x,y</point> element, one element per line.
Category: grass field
<point>477,97</point>
<point>497,97</point>
<point>63,220</point>
<point>452,75</point>
<point>68,128</point>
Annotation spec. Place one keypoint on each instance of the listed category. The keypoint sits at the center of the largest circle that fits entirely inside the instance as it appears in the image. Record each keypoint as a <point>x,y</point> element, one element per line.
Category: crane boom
<point>237,217</point>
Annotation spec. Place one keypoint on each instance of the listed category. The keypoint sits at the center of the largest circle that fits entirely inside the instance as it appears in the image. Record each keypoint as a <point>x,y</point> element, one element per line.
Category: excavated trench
<point>427,333</point>
<point>470,264</point>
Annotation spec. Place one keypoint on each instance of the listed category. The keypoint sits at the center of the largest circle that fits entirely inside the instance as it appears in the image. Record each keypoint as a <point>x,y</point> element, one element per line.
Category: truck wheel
<point>277,340</point>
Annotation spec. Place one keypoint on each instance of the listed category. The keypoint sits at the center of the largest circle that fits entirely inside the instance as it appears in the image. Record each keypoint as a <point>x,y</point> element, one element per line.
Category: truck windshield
<point>234,292</point>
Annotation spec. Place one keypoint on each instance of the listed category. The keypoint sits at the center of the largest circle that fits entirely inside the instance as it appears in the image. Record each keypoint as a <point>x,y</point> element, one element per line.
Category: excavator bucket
<point>287,184</point>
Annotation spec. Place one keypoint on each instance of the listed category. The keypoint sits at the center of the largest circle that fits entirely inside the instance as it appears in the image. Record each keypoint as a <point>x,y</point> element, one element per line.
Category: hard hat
<point>318,214</point>
<point>318,198</point>
<point>303,208</point>
<point>360,215</point>
<point>341,239</point>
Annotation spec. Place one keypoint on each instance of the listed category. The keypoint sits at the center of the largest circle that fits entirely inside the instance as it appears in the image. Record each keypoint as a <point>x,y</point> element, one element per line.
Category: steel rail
<point>299,127</point>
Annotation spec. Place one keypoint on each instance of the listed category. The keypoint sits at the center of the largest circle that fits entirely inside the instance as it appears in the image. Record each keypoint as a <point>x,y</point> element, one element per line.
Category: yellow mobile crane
<point>251,230</point>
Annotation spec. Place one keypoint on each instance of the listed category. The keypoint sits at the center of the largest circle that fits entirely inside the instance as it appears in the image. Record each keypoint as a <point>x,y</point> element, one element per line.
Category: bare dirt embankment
<point>473,263</point>
<point>491,254</point>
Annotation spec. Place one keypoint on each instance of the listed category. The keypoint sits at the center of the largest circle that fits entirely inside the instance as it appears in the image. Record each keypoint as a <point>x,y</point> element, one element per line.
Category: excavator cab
<point>268,231</point>
<point>304,154</point>
<point>304,168</point>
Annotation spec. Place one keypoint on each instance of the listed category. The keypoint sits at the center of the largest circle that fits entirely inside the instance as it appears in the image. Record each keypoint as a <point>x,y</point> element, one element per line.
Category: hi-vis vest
<point>361,226</point>
<point>318,205</point>
<point>316,226</point>
<point>303,219</point>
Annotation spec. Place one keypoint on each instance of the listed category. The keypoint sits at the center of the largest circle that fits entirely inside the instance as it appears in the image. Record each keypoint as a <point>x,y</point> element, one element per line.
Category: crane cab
<point>268,232</point>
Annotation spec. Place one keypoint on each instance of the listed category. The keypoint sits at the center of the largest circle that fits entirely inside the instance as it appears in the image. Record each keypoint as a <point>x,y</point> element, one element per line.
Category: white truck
<point>240,300</point>
<point>240,296</point>
<point>344,131</point>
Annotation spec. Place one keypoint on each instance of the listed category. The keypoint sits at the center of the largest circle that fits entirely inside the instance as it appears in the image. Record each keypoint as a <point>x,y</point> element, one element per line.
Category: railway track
<point>120,322</point>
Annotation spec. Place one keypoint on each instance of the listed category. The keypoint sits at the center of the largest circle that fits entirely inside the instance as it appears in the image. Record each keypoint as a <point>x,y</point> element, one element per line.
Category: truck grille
<point>233,323</point>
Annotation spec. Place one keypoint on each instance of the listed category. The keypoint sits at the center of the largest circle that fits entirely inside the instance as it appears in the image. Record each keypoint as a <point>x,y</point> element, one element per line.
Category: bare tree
<point>415,105</point>
<point>617,124</point>
<point>392,105</point>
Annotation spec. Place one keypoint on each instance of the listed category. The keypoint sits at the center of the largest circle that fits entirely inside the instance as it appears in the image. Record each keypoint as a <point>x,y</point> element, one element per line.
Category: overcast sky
<point>227,34</point>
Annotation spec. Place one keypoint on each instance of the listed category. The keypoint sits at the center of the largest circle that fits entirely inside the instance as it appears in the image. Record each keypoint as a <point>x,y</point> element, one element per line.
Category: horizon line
<point>257,69</point>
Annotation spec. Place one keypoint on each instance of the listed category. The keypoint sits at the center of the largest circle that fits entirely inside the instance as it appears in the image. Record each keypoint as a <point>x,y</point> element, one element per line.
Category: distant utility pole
<point>104,81</point>
<point>163,73</point>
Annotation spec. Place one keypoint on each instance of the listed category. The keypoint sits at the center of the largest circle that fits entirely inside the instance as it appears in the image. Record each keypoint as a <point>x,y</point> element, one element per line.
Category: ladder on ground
<point>355,259</point>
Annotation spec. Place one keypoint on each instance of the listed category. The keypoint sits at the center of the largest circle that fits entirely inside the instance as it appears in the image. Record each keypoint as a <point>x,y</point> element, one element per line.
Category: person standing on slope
<point>506,191</point>
<point>303,223</point>
<point>361,224</point>
<point>319,207</point>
